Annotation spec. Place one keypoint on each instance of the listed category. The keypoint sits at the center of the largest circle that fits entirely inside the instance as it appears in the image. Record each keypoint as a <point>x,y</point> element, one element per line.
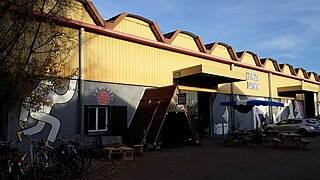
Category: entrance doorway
<point>204,114</point>
<point>309,104</point>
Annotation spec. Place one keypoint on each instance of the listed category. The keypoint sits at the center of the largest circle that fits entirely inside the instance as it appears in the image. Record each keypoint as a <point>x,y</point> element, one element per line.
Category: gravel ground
<point>212,160</point>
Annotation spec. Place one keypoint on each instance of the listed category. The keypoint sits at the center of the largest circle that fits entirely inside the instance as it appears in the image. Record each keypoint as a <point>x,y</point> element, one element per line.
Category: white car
<point>301,126</point>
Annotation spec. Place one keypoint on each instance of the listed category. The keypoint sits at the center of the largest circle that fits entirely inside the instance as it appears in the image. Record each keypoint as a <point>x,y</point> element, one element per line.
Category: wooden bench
<point>305,141</point>
<point>277,141</point>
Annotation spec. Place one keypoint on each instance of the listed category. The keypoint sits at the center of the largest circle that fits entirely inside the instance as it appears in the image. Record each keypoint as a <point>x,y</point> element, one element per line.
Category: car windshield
<point>311,121</point>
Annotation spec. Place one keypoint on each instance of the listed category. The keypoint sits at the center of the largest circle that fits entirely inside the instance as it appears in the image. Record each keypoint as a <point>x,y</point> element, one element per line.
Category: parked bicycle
<point>10,167</point>
<point>34,163</point>
<point>69,157</point>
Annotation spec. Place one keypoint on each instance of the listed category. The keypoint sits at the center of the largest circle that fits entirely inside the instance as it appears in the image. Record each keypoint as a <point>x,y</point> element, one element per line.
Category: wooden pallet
<point>112,151</point>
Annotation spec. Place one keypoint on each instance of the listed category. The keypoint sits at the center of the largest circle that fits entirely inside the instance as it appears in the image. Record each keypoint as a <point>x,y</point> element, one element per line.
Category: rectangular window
<point>97,119</point>
<point>105,120</point>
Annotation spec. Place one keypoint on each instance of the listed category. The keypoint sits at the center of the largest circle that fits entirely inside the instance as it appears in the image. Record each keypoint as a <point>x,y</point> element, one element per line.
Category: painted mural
<point>257,118</point>
<point>291,109</point>
<point>222,127</point>
<point>42,113</point>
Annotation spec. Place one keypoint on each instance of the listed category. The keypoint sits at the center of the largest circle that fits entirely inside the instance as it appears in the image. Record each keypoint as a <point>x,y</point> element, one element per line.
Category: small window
<point>97,119</point>
<point>297,121</point>
<point>284,122</point>
<point>105,120</point>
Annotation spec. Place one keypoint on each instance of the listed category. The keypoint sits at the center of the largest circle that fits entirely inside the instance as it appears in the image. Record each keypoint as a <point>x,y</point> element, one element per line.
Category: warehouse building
<point>121,58</point>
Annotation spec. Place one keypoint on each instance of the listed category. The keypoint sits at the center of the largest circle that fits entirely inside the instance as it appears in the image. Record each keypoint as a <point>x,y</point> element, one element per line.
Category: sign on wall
<point>103,96</point>
<point>253,81</point>
<point>182,98</point>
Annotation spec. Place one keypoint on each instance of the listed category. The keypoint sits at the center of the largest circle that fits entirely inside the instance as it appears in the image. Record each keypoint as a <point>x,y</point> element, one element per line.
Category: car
<point>302,126</point>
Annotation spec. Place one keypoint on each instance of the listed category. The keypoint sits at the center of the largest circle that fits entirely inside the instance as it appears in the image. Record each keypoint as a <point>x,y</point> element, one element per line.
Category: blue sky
<point>285,30</point>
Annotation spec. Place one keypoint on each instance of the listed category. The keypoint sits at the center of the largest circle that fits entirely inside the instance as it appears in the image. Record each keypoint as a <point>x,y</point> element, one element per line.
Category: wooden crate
<point>138,149</point>
<point>111,151</point>
<point>127,153</point>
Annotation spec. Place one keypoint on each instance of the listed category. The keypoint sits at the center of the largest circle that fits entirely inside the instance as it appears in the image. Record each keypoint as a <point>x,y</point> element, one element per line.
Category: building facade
<point>119,58</point>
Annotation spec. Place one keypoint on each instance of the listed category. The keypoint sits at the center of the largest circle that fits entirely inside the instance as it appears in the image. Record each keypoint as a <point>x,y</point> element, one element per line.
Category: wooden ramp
<point>150,115</point>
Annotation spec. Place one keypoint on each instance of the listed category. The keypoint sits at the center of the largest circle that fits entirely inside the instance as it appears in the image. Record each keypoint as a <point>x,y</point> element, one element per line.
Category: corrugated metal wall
<point>113,60</point>
<point>221,51</point>
<point>185,41</point>
<point>137,27</point>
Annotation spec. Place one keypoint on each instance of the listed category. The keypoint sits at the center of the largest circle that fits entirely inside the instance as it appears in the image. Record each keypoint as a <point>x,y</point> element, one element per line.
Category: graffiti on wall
<point>42,113</point>
<point>222,127</point>
<point>295,109</point>
<point>260,115</point>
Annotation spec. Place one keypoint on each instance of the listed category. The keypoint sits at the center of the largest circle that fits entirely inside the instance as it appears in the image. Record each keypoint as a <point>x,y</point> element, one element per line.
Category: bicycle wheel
<point>73,165</point>
<point>54,161</point>
<point>26,166</point>
<point>40,165</point>
<point>86,158</point>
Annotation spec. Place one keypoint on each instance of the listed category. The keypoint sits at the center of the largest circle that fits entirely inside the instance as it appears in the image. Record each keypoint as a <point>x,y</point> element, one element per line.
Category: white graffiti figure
<point>222,128</point>
<point>297,109</point>
<point>260,120</point>
<point>42,114</point>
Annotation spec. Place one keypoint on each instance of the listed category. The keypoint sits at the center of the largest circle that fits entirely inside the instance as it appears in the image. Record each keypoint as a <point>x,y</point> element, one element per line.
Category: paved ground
<point>212,160</point>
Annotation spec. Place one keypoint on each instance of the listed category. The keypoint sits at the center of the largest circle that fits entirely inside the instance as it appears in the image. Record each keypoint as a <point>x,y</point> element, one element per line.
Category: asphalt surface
<point>213,160</point>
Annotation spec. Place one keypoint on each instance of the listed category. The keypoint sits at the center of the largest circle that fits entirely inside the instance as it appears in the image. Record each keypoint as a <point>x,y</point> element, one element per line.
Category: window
<point>97,119</point>
<point>105,120</point>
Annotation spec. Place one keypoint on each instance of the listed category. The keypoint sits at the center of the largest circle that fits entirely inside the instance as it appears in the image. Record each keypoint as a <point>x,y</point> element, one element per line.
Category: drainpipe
<point>81,80</point>
<point>233,118</point>
<point>270,97</point>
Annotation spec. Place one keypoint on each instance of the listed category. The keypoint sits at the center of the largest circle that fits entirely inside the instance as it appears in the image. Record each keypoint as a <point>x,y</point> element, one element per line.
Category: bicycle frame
<point>36,161</point>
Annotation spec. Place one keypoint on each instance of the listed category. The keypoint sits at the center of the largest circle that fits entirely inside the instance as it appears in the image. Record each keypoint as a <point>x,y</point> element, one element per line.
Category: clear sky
<point>285,30</point>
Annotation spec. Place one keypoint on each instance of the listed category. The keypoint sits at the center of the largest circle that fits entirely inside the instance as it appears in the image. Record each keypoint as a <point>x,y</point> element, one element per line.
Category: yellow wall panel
<point>80,14</point>
<point>269,65</point>
<point>286,70</point>
<point>311,85</point>
<point>225,88</point>
<point>185,41</point>
<point>312,78</point>
<point>280,81</point>
<point>248,59</point>
<point>256,85</point>
<point>117,61</point>
<point>135,27</point>
<point>221,51</point>
<point>113,60</point>
<point>300,74</point>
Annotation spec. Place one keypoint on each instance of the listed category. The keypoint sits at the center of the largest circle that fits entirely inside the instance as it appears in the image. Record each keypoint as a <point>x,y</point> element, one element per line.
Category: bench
<point>277,141</point>
<point>305,141</point>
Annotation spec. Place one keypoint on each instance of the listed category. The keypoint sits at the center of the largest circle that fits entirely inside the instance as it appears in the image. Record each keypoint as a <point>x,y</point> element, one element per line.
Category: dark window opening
<point>105,120</point>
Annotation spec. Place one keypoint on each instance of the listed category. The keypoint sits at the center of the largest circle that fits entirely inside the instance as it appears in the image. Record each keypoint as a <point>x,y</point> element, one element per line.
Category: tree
<point>33,47</point>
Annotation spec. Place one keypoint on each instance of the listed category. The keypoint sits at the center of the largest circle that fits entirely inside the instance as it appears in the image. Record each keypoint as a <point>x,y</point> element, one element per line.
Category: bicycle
<point>9,160</point>
<point>69,157</point>
<point>34,162</point>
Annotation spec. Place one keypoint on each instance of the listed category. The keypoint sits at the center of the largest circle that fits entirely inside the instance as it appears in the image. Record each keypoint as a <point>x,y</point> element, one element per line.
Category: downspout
<point>270,97</point>
<point>81,80</point>
<point>232,111</point>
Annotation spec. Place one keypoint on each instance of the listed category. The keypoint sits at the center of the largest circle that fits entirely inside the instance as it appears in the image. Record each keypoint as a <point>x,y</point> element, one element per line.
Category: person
<point>42,113</point>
